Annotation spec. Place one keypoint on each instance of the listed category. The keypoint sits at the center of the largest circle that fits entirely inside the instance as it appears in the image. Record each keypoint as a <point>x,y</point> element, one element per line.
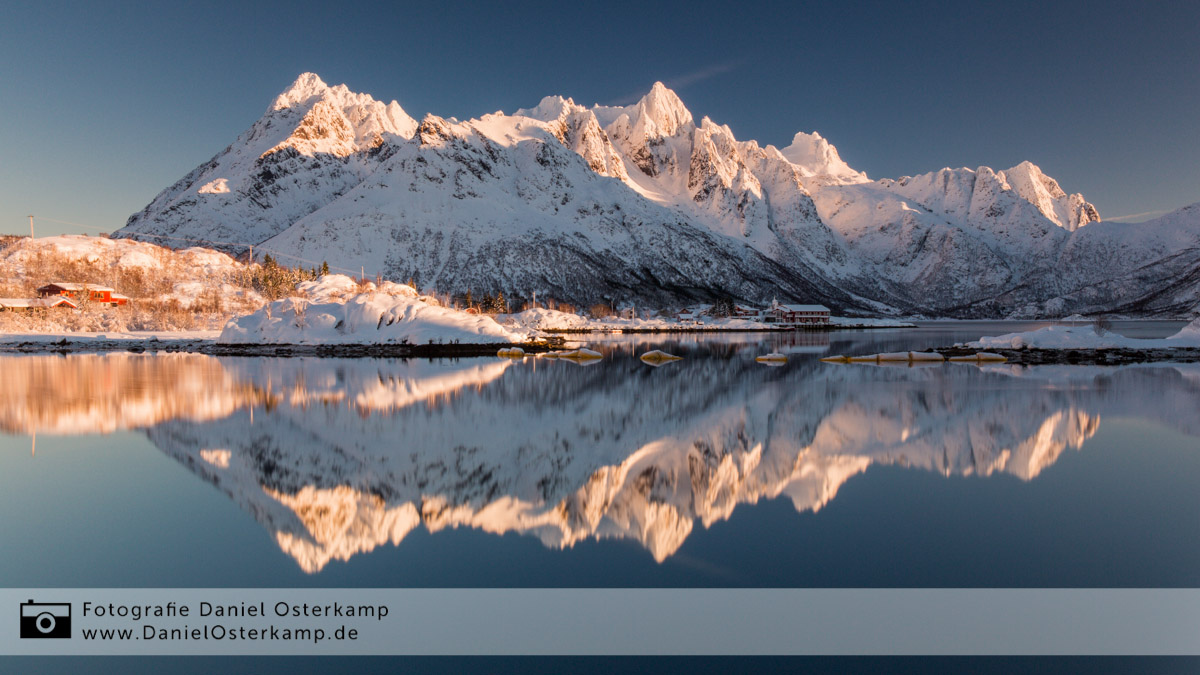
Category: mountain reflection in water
<point>336,457</point>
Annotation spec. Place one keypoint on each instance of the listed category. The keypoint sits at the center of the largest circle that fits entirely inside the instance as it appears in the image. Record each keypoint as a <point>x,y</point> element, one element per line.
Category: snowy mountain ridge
<point>642,203</point>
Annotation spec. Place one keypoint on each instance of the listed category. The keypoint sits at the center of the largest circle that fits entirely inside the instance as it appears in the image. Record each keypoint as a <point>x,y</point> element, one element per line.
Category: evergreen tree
<point>723,307</point>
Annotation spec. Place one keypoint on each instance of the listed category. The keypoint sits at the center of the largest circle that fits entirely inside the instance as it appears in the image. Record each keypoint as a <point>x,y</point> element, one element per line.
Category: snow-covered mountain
<point>645,203</point>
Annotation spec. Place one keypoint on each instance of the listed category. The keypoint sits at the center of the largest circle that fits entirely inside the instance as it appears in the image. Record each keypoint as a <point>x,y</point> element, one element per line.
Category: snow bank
<point>336,313</point>
<point>1085,337</point>
<point>333,288</point>
<point>544,319</point>
<point>1189,333</point>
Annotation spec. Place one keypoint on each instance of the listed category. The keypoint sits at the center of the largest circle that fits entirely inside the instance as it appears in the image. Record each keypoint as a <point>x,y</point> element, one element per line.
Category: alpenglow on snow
<point>646,204</point>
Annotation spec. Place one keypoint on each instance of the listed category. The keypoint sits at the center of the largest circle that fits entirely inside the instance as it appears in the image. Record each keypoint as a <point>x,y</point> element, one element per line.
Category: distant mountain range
<point>645,204</point>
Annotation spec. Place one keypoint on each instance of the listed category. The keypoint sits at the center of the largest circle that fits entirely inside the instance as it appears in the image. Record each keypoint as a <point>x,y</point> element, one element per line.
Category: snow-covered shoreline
<point>553,321</point>
<point>85,337</point>
<point>1067,337</point>
<point>336,309</point>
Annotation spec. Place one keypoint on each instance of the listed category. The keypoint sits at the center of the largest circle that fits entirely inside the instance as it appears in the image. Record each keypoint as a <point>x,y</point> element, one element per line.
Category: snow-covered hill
<point>644,203</point>
<point>335,310</point>
<point>170,289</point>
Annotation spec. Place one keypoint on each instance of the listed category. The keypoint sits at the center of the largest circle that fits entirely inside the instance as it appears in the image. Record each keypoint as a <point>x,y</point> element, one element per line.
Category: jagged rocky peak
<point>307,88</point>
<point>715,156</point>
<point>1067,211</point>
<point>434,130</point>
<point>661,112</point>
<point>816,156</point>
<point>369,119</point>
<point>1022,194</point>
<point>550,108</point>
<point>323,129</point>
<point>578,129</point>
<point>654,132</point>
<point>582,133</point>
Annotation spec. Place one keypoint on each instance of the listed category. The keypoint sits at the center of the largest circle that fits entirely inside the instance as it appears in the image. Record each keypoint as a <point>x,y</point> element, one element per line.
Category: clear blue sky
<point>102,105</point>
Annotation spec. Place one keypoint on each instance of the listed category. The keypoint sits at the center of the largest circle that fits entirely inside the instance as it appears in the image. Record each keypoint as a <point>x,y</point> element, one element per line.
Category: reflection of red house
<point>100,294</point>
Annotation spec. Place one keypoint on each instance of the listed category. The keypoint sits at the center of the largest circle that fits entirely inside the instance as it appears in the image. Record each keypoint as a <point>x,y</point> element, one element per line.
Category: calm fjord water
<point>189,470</point>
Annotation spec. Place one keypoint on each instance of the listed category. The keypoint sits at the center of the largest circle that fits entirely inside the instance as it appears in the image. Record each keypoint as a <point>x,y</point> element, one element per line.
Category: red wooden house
<point>100,294</point>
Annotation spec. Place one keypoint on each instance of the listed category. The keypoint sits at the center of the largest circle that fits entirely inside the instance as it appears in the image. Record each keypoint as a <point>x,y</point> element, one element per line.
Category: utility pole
<point>31,226</point>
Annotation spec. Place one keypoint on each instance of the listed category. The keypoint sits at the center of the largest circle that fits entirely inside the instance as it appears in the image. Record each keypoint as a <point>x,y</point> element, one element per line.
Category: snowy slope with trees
<point>644,203</point>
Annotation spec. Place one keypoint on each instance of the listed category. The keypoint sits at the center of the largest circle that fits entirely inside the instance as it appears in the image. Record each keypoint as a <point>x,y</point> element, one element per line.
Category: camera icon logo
<point>45,620</point>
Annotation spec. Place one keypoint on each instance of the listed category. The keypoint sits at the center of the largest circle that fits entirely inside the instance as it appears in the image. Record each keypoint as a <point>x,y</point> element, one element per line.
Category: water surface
<point>190,470</point>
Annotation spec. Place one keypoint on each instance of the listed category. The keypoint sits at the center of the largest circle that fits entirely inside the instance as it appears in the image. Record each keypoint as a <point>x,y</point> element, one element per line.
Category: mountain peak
<point>663,109</point>
<point>369,119</point>
<point>817,156</point>
<point>548,109</point>
<point>1070,212</point>
<point>306,87</point>
<point>1028,171</point>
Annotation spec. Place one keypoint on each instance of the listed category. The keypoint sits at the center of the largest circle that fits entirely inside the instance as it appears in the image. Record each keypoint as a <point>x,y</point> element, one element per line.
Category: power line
<point>63,222</point>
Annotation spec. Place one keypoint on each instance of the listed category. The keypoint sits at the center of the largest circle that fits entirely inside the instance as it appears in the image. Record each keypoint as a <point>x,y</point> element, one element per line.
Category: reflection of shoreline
<point>337,457</point>
<point>93,393</point>
<point>808,342</point>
